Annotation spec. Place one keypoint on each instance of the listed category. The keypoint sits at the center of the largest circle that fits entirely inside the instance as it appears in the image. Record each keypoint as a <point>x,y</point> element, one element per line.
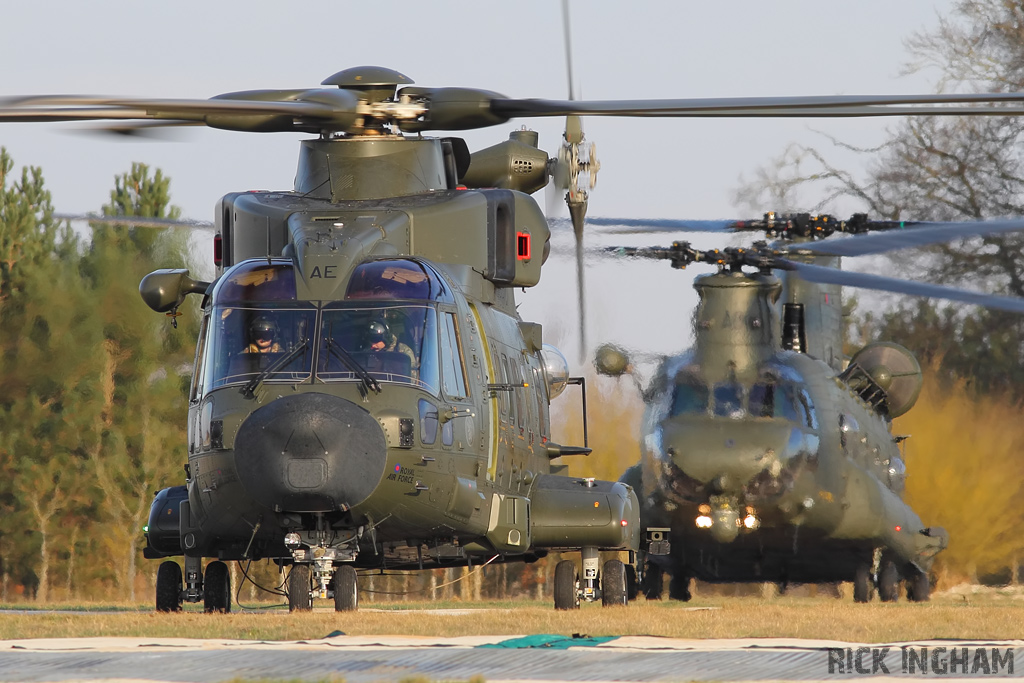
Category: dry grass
<point>990,616</point>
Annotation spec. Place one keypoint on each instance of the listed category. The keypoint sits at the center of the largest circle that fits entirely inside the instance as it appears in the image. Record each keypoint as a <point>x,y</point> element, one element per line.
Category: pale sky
<point>650,168</point>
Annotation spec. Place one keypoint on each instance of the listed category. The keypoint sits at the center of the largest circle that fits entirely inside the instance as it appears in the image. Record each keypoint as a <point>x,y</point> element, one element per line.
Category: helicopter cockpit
<point>769,397</point>
<point>385,328</point>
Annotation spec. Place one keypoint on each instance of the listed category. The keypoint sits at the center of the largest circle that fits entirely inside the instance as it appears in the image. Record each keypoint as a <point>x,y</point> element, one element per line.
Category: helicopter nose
<point>310,453</point>
<point>725,457</point>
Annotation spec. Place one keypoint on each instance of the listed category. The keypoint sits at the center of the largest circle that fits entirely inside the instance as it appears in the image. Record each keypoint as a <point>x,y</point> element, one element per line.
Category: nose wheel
<point>300,589</point>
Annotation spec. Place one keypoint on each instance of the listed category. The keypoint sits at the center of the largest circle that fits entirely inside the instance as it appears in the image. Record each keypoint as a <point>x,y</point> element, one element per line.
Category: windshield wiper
<point>339,352</point>
<point>249,390</point>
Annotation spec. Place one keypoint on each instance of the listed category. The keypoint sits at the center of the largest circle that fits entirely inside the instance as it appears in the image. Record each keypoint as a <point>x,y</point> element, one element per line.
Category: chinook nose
<point>310,453</point>
<point>725,457</point>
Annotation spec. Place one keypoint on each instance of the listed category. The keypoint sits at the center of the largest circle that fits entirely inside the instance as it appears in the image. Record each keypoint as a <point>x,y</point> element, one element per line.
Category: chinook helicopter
<point>766,456</point>
<point>364,393</point>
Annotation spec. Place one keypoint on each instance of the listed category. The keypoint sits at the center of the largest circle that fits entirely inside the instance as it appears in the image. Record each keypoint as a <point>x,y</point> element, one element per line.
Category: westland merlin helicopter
<point>364,393</point>
<point>766,456</point>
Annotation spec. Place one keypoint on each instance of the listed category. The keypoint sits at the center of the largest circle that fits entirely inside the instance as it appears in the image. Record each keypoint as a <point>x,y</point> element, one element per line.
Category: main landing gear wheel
<point>168,587</point>
<point>653,583</point>
<point>862,584</point>
<point>300,589</point>
<point>217,588</point>
<point>346,590</point>
<point>679,587</point>
<point>918,586</point>
<point>567,582</point>
<point>613,584</point>
<point>888,582</point>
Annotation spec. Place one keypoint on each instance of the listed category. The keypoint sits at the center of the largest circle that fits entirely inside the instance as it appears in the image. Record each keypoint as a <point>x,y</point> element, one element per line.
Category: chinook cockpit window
<point>397,279</point>
<point>256,280</point>
<point>691,396</point>
<point>396,343</point>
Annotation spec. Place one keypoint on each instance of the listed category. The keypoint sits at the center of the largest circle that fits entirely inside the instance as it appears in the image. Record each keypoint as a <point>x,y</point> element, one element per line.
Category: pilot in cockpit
<point>263,337</point>
<point>379,338</point>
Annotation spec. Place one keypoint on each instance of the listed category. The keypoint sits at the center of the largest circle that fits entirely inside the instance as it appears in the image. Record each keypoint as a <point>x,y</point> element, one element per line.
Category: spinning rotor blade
<point>137,221</point>
<point>823,275</point>
<point>644,226</point>
<point>366,97</point>
<point>823,105</point>
<point>920,235</point>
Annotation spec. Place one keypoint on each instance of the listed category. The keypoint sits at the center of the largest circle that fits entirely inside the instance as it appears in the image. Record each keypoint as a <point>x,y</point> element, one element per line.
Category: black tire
<point>653,583</point>
<point>919,587</point>
<point>888,582</point>
<point>862,584</point>
<point>566,585</point>
<point>632,583</point>
<point>217,588</point>
<point>168,587</point>
<point>679,586</point>
<point>300,589</point>
<point>613,584</point>
<point>346,589</point>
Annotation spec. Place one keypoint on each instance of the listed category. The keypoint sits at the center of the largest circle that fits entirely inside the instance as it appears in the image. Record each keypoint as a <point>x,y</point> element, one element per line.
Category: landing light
<point>704,509</point>
<point>751,522</point>
<point>291,540</point>
<point>704,522</point>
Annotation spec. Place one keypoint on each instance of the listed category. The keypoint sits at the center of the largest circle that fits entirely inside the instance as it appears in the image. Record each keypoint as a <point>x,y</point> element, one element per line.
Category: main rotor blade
<point>920,235</point>
<point>835,105</point>
<point>643,226</point>
<point>137,221</point>
<point>821,274</point>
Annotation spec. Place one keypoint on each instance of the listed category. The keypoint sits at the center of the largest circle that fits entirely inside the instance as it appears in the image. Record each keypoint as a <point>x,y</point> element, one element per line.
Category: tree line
<point>94,387</point>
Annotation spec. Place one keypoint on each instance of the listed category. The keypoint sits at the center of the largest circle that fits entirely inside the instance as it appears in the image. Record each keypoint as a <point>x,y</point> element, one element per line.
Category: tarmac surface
<point>359,659</point>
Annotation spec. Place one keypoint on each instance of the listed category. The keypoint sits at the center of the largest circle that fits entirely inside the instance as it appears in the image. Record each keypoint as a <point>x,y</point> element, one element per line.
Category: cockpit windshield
<point>768,397</point>
<point>258,330</point>
<point>393,343</point>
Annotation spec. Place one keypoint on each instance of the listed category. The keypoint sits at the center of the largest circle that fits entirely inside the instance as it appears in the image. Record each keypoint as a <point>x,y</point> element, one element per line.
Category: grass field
<point>988,615</point>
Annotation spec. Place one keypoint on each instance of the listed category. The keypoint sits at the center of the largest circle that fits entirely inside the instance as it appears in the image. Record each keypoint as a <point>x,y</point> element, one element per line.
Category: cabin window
<point>690,398</point>
<point>428,422</point>
<point>196,391</point>
<point>395,343</point>
<point>398,279</point>
<point>244,342</point>
<point>453,376</point>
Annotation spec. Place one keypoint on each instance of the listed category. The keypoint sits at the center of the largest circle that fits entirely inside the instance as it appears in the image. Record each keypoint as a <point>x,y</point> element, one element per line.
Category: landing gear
<point>679,586</point>
<point>168,587</point>
<point>346,590</point>
<point>918,586</point>
<point>632,583</point>
<point>567,581</point>
<point>863,586</point>
<point>217,588</point>
<point>653,583</point>
<point>300,589</point>
<point>888,581</point>
<point>613,584</point>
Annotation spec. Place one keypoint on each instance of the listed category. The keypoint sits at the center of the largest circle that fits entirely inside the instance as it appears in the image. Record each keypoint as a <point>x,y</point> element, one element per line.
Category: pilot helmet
<point>263,328</point>
<point>377,331</point>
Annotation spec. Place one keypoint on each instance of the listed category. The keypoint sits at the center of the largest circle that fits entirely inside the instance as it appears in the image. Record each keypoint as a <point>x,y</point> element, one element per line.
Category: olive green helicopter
<point>766,455</point>
<point>365,395</point>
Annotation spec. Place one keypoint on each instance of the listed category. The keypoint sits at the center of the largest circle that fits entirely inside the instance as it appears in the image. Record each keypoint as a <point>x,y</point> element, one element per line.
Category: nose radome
<point>310,453</point>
